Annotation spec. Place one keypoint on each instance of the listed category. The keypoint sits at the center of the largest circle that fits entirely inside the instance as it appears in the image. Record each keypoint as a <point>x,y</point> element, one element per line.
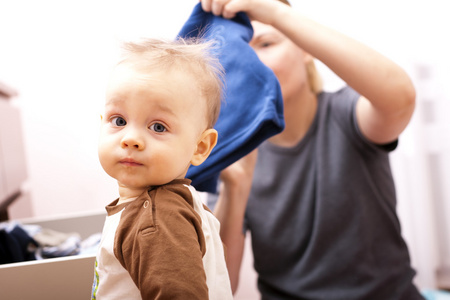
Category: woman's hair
<point>314,78</point>
<point>194,57</point>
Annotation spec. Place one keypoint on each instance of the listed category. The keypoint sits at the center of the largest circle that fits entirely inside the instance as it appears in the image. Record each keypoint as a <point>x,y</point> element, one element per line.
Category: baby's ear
<point>204,146</point>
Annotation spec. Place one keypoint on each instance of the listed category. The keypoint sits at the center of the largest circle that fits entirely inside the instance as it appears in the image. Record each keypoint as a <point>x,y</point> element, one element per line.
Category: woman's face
<point>281,55</point>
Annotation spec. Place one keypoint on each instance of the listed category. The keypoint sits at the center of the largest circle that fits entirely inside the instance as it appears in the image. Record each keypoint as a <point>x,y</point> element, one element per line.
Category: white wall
<point>57,54</point>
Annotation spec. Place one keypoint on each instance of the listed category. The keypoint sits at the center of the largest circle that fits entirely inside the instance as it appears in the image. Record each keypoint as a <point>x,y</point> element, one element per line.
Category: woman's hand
<point>260,10</point>
<point>226,8</point>
<point>230,210</point>
<point>241,172</point>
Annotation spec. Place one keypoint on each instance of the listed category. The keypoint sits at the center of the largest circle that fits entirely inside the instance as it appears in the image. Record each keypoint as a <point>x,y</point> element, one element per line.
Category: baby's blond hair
<point>193,56</point>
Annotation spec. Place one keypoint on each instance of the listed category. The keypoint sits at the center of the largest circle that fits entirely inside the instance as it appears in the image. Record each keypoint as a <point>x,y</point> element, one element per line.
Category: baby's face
<point>151,126</point>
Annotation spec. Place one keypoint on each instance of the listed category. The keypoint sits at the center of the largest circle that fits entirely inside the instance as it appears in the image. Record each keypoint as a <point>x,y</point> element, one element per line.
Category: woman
<point>321,198</point>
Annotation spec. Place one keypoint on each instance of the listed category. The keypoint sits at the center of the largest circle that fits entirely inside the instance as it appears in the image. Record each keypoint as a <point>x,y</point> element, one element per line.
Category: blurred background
<point>55,57</point>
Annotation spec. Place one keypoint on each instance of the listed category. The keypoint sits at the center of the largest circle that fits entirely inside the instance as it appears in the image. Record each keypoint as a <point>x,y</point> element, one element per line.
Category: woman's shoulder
<point>345,93</point>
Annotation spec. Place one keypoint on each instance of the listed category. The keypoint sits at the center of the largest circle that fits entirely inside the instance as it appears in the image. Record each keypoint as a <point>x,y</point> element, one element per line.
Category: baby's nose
<point>132,140</point>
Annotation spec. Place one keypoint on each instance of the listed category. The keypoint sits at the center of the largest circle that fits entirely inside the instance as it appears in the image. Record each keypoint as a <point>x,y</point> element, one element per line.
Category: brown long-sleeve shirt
<point>163,245</point>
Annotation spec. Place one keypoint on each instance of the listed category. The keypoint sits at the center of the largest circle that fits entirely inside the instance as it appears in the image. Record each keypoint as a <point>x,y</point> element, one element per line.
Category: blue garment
<point>253,106</point>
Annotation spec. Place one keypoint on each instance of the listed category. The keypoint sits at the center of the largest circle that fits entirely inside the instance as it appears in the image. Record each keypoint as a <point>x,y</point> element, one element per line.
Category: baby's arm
<point>164,256</point>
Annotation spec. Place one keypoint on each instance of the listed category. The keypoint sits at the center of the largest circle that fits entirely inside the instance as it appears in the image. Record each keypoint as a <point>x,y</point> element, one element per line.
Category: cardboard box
<point>65,278</point>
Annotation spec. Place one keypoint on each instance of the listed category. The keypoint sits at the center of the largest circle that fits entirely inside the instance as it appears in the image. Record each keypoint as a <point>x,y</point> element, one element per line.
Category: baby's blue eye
<point>158,127</point>
<point>119,121</point>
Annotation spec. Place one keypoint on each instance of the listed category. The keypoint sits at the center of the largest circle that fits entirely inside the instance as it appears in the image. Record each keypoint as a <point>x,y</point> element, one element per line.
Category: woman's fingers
<point>206,5</point>
<point>219,7</point>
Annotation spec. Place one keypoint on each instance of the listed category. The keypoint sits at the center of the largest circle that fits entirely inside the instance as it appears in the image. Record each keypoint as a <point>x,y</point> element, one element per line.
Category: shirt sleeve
<point>161,244</point>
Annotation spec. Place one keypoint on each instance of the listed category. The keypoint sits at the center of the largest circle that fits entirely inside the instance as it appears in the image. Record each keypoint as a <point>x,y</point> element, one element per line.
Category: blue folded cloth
<point>436,294</point>
<point>253,107</point>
